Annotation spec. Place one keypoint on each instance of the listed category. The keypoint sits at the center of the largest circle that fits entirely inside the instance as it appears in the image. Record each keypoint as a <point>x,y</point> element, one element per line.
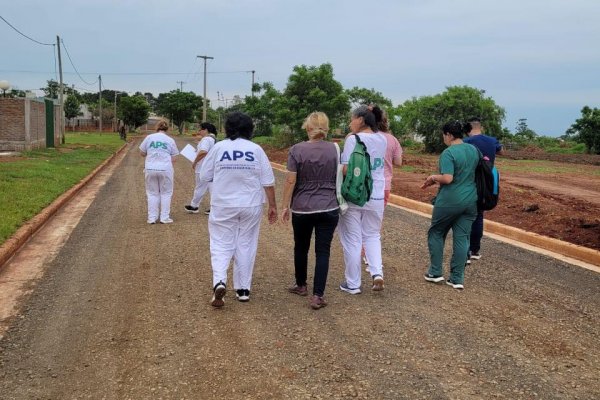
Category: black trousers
<point>324,225</point>
<point>476,233</point>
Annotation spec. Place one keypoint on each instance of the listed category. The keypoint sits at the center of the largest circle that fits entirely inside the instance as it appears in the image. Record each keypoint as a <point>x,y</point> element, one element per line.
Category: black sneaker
<point>475,256</point>
<point>458,286</point>
<point>192,210</point>
<point>218,294</point>
<point>242,295</point>
<point>207,211</point>
<point>433,278</point>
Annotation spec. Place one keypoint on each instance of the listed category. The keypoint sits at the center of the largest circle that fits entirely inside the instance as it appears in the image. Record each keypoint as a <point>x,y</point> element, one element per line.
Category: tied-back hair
<point>316,125</point>
<point>162,126</point>
<point>383,125</point>
<point>209,127</point>
<point>371,115</point>
<point>457,129</point>
<point>238,125</point>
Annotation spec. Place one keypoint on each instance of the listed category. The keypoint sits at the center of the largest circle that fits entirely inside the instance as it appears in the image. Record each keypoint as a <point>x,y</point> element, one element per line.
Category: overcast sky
<point>539,59</point>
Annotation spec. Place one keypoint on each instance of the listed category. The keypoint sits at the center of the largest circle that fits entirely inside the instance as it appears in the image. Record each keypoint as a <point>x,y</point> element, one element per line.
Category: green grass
<point>31,182</point>
<point>538,166</point>
<point>263,140</point>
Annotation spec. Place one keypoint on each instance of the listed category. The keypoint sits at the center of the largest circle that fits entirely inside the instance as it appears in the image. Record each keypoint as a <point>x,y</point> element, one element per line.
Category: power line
<point>126,73</point>
<point>24,35</point>
<point>73,65</point>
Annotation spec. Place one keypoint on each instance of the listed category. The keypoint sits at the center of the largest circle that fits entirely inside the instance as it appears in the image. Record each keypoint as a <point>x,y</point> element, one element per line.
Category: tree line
<point>311,88</point>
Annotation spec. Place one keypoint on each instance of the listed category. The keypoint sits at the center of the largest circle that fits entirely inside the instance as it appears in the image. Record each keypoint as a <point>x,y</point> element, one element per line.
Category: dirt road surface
<point>123,312</point>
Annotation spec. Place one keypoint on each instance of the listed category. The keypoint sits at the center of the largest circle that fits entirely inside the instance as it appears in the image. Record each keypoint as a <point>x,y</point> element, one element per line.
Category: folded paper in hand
<point>189,152</point>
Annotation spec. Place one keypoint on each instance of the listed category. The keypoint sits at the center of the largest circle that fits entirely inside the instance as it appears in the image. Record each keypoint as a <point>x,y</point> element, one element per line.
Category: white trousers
<point>358,227</point>
<point>234,233</point>
<point>159,190</point>
<point>199,191</point>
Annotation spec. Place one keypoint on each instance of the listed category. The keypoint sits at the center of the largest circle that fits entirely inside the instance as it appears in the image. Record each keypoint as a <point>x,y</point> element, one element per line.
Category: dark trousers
<point>476,233</point>
<point>324,225</point>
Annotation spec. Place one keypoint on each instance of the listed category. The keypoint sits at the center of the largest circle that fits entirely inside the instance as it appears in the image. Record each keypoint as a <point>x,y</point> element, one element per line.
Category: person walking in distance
<point>159,151</point>
<point>241,175</point>
<point>362,225</point>
<point>489,147</point>
<point>208,138</point>
<point>455,205</point>
<point>309,195</point>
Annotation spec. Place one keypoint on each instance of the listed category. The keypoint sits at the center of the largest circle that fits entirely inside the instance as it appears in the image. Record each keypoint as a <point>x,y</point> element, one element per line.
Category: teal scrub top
<point>460,161</point>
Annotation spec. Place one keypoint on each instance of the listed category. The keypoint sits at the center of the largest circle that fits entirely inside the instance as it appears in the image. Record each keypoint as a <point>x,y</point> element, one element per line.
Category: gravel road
<point>123,313</point>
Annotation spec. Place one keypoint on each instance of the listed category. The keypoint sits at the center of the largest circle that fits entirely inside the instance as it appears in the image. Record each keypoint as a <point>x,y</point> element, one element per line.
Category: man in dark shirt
<point>489,146</point>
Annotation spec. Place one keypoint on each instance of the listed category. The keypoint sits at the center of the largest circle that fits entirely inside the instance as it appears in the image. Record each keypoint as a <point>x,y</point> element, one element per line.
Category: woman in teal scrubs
<point>455,205</point>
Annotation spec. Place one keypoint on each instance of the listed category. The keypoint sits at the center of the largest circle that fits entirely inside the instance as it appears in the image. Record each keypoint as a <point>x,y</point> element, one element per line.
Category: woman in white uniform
<point>362,225</point>
<point>208,134</point>
<point>159,151</point>
<point>241,175</point>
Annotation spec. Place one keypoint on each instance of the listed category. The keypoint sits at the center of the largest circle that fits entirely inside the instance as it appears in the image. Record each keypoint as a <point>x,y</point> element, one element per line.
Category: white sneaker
<point>166,221</point>
<point>378,283</point>
<point>151,221</point>
<point>345,288</point>
<point>458,286</point>
<point>218,294</point>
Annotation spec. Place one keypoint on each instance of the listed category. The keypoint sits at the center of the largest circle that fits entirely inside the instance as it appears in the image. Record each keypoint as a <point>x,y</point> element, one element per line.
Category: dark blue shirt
<point>488,145</point>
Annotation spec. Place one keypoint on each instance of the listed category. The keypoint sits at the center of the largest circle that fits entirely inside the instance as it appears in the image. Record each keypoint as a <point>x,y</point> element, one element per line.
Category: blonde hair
<point>162,125</point>
<point>316,125</point>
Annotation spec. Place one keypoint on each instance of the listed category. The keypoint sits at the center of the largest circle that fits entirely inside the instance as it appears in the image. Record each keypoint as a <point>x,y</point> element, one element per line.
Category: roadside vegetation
<point>31,181</point>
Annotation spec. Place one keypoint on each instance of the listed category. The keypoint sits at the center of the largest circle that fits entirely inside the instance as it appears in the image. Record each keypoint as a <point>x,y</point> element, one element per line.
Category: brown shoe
<point>299,290</point>
<point>317,302</point>
<point>378,283</point>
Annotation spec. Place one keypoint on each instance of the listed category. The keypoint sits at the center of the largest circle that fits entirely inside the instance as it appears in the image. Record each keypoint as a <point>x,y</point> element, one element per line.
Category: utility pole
<point>204,101</point>
<point>100,100</point>
<point>181,85</point>
<point>253,71</point>
<point>61,121</point>
<point>115,117</point>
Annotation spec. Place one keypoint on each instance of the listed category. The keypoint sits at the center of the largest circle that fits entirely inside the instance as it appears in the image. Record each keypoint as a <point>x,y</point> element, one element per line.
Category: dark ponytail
<point>372,115</point>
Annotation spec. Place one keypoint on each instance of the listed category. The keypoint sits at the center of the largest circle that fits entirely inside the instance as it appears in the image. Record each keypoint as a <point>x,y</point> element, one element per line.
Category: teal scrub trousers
<point>460,220</point>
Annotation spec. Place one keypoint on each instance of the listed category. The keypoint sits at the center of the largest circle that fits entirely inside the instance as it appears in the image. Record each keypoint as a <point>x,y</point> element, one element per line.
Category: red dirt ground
<point>561,201</point>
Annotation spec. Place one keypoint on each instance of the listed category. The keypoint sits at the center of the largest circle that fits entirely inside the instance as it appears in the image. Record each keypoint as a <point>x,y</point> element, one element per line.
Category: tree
<point>107,109</point>
<point>311,89</point>
<point>261,107</point>
<point>523,133</point>
<point>587,129</point>
<point>134,111</point>
<point>151,100</point>
<point>71,108</point>
<point>179,106</point>
<point>360,96</point>
<point>51,89</point>
<point>424,116</point>
<point>16,93</point>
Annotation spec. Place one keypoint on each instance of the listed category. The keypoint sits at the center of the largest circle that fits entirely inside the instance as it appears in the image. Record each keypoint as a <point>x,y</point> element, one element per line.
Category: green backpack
<point>358,183</point>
